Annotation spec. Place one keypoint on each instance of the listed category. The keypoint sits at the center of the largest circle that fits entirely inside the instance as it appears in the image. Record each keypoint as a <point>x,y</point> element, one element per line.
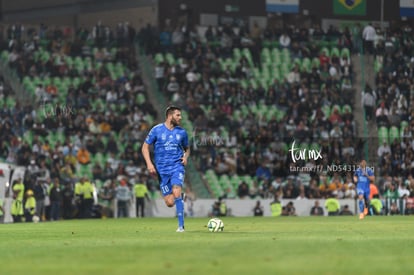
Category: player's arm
<point>186,148</point>
<point>186,155</point>
<point>370,175</point>
<point>146,154</point>
<point>355,178</point>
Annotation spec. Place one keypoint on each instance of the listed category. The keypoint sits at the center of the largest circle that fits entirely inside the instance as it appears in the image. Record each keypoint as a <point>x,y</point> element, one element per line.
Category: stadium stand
<point>394,65</point>
<point>249,99</point>
<point>86,92</point>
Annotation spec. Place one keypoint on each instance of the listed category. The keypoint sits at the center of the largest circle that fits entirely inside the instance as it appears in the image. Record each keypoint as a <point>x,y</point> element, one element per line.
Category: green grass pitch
<point>284,245</point>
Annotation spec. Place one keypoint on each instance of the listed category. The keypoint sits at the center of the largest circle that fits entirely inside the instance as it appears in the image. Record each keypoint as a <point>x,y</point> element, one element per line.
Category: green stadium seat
<point>377,65</point>
<point>336,107</point>
<point>270,113</point>
<point>267,43</point>
<point>316,63</point>
<point>149,119</point>
<point>335,51</point>
<point>28,137</point>
<point>297,61</point>
<point>169,58</point>
<point>326,109</point>
<point>10,101</point>
<point>113,52</point>
<point>224,133</point>
<point>235,181</point>
<point>276,56</point>
<point>52,138</point>
<point>383,135</point>
<point>214,43</point>
<point>256,73</point>
<point>237,114</point>
<point>285,53</point>
<point>44,42</point>
<point>266,56</point>
<point>140,99</point>
<point>211,176</point>
<point>326,51</point>
<point>280,115</point>
<point>5,56</point>
<point>76,81</point>
<point>306,65</point>
<point>275,44</point>
<point>404,124</point>
<point>247,179</point>
<point>224,179</point>
<point>345,52</point>
<point>237,54</point>
<point>45,56</point>
<point>253,83</point>
<point>84,171</point>
<point>265,82</point>
<point>246,52</point>
<point>69,60</point>
<point>244,83</point>
<point>27,80</point>
<point>137,146</point>
<point>36,80</point>
<point>98,183</point>
<point>394,133</point>
<point>216,189</point>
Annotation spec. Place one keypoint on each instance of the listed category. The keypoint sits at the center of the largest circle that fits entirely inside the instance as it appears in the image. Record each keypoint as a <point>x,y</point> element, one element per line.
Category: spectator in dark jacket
<point>55,200</point>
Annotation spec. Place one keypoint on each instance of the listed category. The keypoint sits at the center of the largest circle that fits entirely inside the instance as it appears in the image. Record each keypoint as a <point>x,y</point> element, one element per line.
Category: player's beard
<point>174,122</point>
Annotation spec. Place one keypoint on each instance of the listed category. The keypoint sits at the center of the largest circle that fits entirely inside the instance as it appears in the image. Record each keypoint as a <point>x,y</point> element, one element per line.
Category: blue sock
<point>361,206</point>
<point>179,205</point>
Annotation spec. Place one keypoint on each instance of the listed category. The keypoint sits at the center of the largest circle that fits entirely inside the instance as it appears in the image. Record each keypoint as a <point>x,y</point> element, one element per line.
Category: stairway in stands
<point>364,73</point>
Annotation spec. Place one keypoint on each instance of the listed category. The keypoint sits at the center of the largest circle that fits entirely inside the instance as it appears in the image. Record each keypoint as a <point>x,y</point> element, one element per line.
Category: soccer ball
<point>35,219</point>
<point>215,225</point>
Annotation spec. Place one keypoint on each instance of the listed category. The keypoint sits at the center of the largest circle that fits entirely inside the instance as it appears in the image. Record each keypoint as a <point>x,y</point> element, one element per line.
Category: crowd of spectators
<point>230,137</point>
<point>240,126</point>
<point>231,142</point>
<point>393,97</point>
<point>89,129</point>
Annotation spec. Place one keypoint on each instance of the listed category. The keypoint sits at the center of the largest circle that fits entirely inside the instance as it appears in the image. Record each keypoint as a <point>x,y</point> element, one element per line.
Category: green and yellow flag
<point>349,7</point>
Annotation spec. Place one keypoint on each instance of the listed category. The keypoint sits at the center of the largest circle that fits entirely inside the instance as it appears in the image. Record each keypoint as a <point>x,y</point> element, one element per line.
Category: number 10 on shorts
<point>165,189</point>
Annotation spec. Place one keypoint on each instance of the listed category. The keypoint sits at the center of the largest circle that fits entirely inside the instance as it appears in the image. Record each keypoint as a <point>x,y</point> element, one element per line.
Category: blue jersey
<point>169,147</point>
<point>363,180</point>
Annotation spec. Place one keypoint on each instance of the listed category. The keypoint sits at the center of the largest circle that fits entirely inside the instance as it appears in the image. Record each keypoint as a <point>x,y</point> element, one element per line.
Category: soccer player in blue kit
<point>363,176</point>
<point>171,152</point>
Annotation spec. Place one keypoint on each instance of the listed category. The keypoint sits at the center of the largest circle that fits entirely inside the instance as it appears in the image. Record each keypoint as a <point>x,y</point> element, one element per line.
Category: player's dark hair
<point>171,109</point>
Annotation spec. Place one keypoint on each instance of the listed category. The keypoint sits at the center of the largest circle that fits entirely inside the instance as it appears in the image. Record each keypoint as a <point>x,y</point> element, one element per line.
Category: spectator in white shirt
<point>382,114</point>
<point>402,190</point>
<point>382,149</point>
<point>111,96</point>
<point>368,35</point>
<point>131,169</point>
<point>368,102</point>
<point>284,40</point>
<point>173,86</point>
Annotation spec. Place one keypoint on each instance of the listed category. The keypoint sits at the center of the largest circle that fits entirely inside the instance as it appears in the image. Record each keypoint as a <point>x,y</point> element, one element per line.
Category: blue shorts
<point>363,192</point>
<point>167,181</point>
